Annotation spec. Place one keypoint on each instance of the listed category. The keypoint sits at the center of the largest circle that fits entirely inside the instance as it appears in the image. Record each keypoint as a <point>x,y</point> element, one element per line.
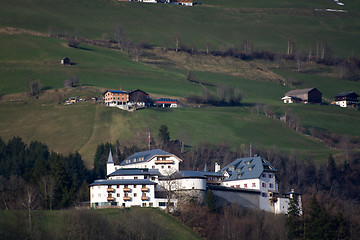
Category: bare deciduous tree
<point>34,86</point>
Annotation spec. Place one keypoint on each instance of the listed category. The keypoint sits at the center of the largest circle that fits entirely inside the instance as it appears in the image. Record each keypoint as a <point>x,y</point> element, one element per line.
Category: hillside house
<point>166,102</point>
<point>346,99</point>
<point>189,3</point>
<point>146,178</point>
<point>308,95</point>
<point>65,61</point>
<point>126,100</point>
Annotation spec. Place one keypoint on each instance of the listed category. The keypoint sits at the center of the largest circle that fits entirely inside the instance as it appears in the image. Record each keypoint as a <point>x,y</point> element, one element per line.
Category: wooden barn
<point>308,95</point>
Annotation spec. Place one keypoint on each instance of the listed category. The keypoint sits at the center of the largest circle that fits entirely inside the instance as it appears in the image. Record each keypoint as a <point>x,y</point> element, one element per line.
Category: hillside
<point>214,23</point>
<point>134,223</point>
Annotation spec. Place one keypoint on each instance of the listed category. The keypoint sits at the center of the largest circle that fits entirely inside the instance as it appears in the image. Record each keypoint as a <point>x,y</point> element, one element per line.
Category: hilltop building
<point>126,100</point>
<point>308,95</point>
<point>346,99</point>
<point>153,179</point>
<point>166,102</point>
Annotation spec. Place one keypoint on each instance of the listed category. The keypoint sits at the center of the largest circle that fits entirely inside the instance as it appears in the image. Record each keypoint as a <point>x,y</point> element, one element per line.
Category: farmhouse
<point>346,99</point>
<point>126,100</point>
<point>153,179</point>
<point>166,102</point>
<point>308,95</point>
<point>183,2</point>
<point>65,61</point>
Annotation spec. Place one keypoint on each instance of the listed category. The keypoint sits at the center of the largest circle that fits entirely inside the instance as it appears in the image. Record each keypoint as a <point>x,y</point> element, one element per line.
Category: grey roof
<point>345,94</point>
<point>110,158</point>
<point>192,174</point>
<point>122,182</point>
<point>144,156</point>
<point>299,91</point>
<point>247,168</point>
<point>134,171</point>
<point>214,174</point>
<point>185,174</point>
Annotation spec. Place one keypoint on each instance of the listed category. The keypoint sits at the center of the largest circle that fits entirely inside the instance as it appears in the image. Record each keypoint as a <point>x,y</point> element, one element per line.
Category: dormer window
<point>250,168</point>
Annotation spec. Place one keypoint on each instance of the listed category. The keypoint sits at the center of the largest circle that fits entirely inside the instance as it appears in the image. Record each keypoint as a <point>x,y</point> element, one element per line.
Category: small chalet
<point>126,100</point>
<point>308,95</point>
<point>166,102</point>
<point>346,99</point>
<point>65,61</point>
<point>183,2</point>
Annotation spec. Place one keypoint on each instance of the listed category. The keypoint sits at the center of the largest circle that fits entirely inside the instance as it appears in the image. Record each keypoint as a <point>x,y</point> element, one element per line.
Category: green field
<point>133,223</point>
<point>81,127</point>
<point>268,24</point>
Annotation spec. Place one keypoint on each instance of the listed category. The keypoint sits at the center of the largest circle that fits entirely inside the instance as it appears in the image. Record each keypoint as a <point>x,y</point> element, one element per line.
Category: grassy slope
<point>64,129</point>
<point>52,221</point>
<point>229,23</point>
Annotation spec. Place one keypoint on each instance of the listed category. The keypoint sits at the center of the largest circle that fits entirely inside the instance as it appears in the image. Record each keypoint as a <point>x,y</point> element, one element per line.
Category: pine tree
<point>164,134</point>
<point>293,221</point>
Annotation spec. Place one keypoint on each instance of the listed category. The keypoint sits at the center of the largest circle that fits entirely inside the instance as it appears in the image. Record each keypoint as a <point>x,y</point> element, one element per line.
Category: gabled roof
<point>166,100</point>
<point>137,90</point>
<point>247,168</point>
<point>299,91</point>
<point>134,171</point>
<point>145,156</point>
<point>122,182</point>
<point>347,94</point>
<point>114,91</point>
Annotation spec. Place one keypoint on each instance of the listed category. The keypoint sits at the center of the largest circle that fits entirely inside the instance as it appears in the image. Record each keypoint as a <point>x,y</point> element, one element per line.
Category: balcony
<point>144,189</point>
<point>127,190</point>
<point>127,198</point>
<point>164,161</point>
<point>144,198</point>
<point>110,198</point>
<point>110,190</point>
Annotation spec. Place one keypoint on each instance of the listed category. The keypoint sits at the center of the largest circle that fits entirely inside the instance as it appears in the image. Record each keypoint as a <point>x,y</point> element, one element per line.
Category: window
<point>245,185</point>
<point>117,186</point>
<point>118,195</point>
<point>270,185</point>
<point>144,204</point>
<point>99,195</point>
<point>263,184</point>
<point>144,186</point>
<point>153,178</point>
<point>153,167</point>
<point>125,186</point>
<point>239,175</point>
<point>135,194</point>
<point>162,166</point>
<point>264,175</point>
<point>169,166</point>
<point>144,194</point>
<point>263,194</point>
<point>253,185</point>
<point>135,177</point>
<point>162,204</point>
<point>92,195</point>
<point>270,176</point>
<point>150,204</point>
<point>134,186</point>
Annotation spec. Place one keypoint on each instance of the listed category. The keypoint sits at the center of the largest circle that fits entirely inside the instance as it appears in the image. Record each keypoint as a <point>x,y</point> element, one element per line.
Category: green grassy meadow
<point>81,127</point>
<point>57,224</point>
<point>268,24</point>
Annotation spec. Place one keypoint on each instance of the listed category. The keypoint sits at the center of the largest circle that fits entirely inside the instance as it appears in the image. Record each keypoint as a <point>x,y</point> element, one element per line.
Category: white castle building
<point>152,179</point>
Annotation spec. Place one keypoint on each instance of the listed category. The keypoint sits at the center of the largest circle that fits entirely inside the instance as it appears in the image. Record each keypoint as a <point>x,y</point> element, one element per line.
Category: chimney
<point>217,167</point>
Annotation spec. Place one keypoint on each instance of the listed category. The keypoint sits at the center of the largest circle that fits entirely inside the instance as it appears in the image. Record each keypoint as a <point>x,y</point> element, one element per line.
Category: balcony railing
<point>144,189</point>
<point>127,190</point>
<point>144,198</point>
<point>110,198</point>
<point>127,198</point>
<point>164,161</point>
<point>110,190</point>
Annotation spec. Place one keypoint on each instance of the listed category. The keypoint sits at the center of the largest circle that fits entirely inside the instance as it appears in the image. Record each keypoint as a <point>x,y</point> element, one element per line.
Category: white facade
<point>146,179</point>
